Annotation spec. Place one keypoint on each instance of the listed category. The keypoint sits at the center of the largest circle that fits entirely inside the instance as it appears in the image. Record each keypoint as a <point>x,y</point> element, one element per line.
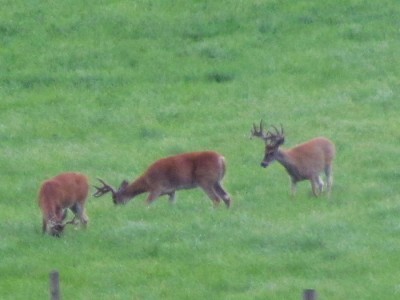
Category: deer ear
<point>280,142</point>
<point>123,185</point>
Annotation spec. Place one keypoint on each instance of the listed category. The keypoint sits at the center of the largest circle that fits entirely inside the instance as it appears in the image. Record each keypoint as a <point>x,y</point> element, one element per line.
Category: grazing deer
<point>303,162</point>
<point>56,195</point>
<point>167,175</point>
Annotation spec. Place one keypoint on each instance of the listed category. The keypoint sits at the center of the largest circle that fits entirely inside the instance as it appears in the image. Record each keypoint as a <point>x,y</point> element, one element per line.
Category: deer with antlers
<point>167,175</point>
<point>303,162</point>
<point>56,195</point>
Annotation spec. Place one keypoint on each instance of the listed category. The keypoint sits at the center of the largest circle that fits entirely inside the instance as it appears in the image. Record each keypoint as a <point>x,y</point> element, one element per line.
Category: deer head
<point>117,196</point>
<point>272,142</point>
<point>56,229</point>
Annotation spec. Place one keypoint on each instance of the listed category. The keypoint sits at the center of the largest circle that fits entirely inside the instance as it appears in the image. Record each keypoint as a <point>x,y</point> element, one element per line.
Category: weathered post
<point>310,294</point>
<point>55,285</point>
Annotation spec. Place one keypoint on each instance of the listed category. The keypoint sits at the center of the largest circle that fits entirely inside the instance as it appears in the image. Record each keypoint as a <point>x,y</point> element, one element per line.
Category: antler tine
<point>254,130</point>
<point>73,221</point>
<point>275,135</point>
<point>102,181</point>
<point>276,130</point>
<point>260,132</point>
<point>278,133</point>
<point>104,189</point>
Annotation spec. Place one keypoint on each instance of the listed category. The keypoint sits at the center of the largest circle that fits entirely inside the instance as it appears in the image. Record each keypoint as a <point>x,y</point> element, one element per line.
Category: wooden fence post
<point>310,294</point>
<point>55,285</point>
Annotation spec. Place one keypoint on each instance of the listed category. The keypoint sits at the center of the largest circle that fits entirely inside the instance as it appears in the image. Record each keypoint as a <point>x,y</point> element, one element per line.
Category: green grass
<point>107,87</point>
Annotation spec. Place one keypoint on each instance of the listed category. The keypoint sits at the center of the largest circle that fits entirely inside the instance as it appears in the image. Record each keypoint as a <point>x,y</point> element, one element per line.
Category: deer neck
<point>139,186</point>
<point>285,160</point>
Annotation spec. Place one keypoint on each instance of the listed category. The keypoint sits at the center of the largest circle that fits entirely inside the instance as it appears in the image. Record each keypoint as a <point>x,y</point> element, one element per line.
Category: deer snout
<point>116,200</point>
<point>264,164</point>
<point>57,230</point>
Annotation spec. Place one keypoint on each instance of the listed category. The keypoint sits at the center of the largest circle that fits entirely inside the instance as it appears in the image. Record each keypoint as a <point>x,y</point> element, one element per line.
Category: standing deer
<point>167,175</point>
<point>57,195</point>
<point>303,162</point>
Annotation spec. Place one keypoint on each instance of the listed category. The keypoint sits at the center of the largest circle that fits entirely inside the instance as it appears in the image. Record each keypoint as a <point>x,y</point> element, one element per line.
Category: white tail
<point>165,176</point>
<point>56,195</point>
<point>303,162</point>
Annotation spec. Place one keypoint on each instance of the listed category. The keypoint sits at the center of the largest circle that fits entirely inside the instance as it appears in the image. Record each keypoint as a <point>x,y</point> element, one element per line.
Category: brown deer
<point>57,195</point>
<point>303,162</point>
<point>167,175</point>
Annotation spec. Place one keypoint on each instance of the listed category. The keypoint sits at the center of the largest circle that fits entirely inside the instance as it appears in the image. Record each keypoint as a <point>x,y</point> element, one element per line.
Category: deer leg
<point>313,187</point>
<point>293,187</point>
<point>80,212</point>
<point>84,218</point>
<point>152,196</point>
<point>209,190</point>
<point>320,184</point>
<point>316,185</point>
<point>44,225</point>
<point>329,178</point>
<point>222,194</point>
<point>172,198</point>
<point>64,215</point>
<point>59,216</point>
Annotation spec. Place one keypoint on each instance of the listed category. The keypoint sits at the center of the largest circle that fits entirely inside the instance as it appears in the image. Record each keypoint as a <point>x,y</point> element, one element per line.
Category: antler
<point>273,138</point>
<point>104,189</point>
<point>278,135</point>
<point>73,221</point>
<point>260,132</point>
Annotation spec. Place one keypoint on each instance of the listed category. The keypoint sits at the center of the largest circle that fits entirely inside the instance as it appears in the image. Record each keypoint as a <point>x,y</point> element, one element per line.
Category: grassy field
<point>107,87</point>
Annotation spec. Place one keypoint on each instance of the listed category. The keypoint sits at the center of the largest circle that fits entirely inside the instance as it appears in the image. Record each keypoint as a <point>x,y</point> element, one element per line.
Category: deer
<point>65,191</point>
<point>165,176</point>
<point>302,162</point>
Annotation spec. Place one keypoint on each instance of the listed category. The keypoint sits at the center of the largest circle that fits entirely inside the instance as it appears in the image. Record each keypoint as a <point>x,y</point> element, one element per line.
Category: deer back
<point>185,170</point>
<point>64,190</point>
